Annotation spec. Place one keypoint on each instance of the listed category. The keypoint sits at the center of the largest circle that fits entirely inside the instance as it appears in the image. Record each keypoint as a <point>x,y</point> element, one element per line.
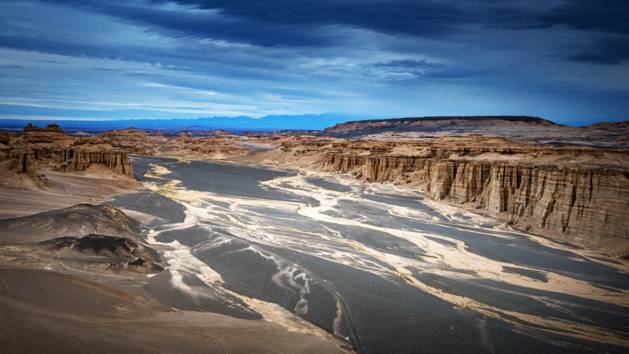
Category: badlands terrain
<point>416,235</point>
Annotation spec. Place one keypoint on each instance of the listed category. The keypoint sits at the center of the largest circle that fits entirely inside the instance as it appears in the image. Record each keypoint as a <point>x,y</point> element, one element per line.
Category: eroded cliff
<point>579,195</point>
<point>49,148</point>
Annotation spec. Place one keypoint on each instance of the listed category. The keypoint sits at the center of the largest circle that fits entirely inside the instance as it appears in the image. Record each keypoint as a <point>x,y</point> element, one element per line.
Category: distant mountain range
<point>242,123</point>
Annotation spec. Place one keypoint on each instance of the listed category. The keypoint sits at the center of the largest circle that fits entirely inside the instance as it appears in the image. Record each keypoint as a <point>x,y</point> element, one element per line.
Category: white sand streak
<point>242,222</point>
<point>181,262</point>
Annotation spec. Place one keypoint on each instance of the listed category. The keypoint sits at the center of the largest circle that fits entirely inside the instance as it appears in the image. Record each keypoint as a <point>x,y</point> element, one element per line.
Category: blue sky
<point>564,60</point>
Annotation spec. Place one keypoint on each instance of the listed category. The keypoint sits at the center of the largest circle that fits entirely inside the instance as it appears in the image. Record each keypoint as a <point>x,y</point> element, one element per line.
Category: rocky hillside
<point>37,149</point>
<point>520,128</point>
<point>579,195</point>
<point>90,236</point>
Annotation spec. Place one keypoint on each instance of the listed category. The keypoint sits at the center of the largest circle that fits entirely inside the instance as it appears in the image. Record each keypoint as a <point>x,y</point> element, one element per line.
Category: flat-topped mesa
<point>518,128</point>
<point>437,122</point>
<point>579,195</point>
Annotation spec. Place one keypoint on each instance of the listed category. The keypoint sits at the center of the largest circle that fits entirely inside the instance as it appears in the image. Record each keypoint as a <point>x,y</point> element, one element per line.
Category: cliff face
<point>583,203</point>
<point>26,161</point>
<point>81,160</point>
<point>50,147</point>
<point>22,162</point>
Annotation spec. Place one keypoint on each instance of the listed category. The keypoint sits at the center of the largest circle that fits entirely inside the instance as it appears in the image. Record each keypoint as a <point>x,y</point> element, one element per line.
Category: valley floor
<point>259,259</point>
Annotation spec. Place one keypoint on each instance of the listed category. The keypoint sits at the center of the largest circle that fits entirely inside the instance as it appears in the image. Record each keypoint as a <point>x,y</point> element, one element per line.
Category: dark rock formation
<point>78,220</point>
<point>119,253</point>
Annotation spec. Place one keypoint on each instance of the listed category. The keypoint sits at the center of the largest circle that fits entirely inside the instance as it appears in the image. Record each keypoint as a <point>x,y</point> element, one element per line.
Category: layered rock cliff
<point>81,160</point>
<point>571,194</point>
<point>40,148</point>
<point>22,162</point>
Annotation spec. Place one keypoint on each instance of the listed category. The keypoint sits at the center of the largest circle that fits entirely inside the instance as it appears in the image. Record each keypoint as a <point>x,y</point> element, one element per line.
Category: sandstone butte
<point>50,147</point>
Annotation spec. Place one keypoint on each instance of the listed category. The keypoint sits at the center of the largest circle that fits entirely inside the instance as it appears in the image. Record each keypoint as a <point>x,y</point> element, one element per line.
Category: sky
<point>565,60</point>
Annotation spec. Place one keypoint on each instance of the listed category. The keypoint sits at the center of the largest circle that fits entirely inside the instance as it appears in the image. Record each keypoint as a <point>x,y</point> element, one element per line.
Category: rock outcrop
<point>578,195</point>
<point>50,147</point>
<point>134,141</point>
<point>51,133</point>
<point>81,160</point>
<point>22,162</point>
<point>79,220</point>
<point>115,253</point>
<point>208,145</point>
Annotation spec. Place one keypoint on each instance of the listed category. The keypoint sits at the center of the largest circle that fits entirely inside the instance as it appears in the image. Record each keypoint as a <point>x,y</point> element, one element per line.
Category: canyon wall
<point>583,205</point>
<point>575,201</point>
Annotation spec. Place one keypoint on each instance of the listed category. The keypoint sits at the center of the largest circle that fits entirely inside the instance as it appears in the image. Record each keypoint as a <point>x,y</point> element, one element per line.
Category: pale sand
<point>56,305</point>
<point>63,190</point>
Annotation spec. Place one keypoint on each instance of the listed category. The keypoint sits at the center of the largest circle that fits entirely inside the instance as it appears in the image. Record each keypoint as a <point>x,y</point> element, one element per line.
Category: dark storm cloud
<point>428,18</point>
<point>606,19</point>
<point>387,57</point>
<point>304,23</point>
<point>208,25</point>
<point>312,22</point>
<point>606,51</point>
<point>605,16</point>
<point>397,16</point>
